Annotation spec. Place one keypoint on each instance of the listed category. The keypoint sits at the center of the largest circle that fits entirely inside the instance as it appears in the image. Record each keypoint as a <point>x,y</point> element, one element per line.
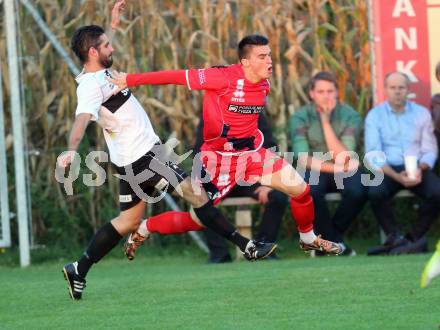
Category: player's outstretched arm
<point>194,79</point>
<point>124,80</point>
<point>76,135</point>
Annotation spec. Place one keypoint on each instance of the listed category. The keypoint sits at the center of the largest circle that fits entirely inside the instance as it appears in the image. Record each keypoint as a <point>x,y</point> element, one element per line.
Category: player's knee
<point>194,216</point>
<point>200,201</point>
<point>130,223</point>
<point>133,225</point>
<point>206,213</point>
<point>193,193</point>
<point>197,200</point>
<point>304,195</point>
<point>299,190</point>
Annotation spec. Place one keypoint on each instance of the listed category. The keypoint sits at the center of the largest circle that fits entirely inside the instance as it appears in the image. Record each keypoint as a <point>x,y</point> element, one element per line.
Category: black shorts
<point>146,179</point>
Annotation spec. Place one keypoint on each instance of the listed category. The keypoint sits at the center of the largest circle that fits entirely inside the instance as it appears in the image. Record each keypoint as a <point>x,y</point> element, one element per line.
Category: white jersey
<point>127,128</point>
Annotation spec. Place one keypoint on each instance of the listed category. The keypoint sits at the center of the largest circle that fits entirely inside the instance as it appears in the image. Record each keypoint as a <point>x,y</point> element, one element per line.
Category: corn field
<point>305,36</point>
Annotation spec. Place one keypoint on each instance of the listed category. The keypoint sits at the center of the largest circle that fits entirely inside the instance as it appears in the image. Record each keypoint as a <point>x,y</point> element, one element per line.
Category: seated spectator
<point>435,112</point>
<point>435,107</point>
<point>324,126</point>
<point>275,203</point>
<point>400,128</point>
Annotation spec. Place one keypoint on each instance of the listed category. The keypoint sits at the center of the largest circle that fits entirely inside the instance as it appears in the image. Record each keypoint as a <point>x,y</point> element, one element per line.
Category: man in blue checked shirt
<point>400,128</point>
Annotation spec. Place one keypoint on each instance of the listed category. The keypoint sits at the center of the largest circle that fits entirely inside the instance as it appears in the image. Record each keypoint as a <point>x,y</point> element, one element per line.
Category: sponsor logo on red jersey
<point>239,93</point>
<point>202,77</point>
<point>246,109</point>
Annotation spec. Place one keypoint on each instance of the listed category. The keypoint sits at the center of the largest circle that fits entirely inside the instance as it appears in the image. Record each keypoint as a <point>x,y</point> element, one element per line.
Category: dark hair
<point>85,38</point>
<point>322,75</point>
<point>248,42</point>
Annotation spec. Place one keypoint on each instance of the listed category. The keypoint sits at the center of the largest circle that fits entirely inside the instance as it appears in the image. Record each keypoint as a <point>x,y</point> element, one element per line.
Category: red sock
<point>172,222</point>
<point>303,211</point>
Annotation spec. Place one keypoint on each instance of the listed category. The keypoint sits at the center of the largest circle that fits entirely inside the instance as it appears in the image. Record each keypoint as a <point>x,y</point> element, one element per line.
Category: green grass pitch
<point>185,293</point>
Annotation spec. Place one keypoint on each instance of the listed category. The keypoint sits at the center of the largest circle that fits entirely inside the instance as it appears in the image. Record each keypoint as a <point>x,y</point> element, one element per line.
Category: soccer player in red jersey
<point>232,153</point>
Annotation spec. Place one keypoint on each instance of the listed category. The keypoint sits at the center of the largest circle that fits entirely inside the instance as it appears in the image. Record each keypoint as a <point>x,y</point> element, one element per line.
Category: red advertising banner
<point>405,38</point>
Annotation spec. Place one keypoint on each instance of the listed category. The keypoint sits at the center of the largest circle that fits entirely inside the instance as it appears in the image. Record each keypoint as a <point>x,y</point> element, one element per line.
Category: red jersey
<point>231,104</point>
<point>231,107</point>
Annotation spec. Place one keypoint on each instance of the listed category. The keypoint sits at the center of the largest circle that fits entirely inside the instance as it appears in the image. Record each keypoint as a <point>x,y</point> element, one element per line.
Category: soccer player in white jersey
<point>136,152</point>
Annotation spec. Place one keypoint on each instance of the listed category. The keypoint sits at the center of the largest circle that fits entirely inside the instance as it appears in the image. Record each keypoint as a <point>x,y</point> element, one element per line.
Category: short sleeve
<point>90,99</point>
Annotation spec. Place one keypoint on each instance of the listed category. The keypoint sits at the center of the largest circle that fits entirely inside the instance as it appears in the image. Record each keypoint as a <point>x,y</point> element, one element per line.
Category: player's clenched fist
<point>65,158</point>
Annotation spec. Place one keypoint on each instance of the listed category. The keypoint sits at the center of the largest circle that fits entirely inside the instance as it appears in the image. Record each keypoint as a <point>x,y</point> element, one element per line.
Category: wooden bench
<point>243,215</point>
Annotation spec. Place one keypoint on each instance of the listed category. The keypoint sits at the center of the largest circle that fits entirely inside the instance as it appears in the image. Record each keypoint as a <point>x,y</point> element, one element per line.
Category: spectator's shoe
<point>76,283</point>
<point>419,246</point>
<point>258,250</point>
<point>392,242</point>
<point>320,244</point>
<point>134,240</point>
<point>432,268</point>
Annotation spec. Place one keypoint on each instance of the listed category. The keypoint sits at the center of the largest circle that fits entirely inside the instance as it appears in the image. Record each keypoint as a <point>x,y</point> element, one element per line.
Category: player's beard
<point>106,62</point>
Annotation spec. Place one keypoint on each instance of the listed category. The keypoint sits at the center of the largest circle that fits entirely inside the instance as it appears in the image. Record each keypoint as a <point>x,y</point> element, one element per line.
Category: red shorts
<point>221,172</point>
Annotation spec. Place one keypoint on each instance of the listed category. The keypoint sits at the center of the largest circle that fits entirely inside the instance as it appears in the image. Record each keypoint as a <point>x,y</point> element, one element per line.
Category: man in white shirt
<point>399,128</point>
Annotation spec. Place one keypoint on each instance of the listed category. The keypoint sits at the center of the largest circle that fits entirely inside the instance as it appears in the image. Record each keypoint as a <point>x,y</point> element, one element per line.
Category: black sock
<point>84,264</point>
<point>239,240</point>
<point>215,220</point>
<point>104,240</point>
